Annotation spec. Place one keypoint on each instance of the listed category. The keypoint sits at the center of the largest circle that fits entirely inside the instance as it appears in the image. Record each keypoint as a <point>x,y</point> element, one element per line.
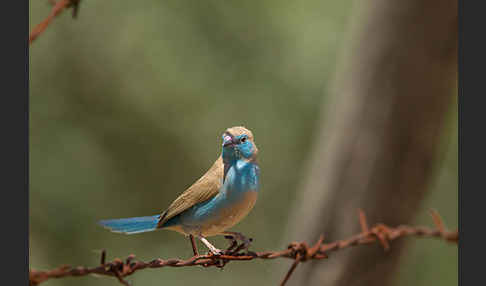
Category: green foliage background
<point>127,104</point>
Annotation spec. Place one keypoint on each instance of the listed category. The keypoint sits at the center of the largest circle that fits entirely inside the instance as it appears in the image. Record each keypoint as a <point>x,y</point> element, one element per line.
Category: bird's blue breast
<point>233,202</point>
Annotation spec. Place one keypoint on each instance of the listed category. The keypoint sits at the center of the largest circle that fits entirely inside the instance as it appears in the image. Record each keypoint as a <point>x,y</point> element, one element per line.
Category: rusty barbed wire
<point>57,8</point>
<point>298,251</point>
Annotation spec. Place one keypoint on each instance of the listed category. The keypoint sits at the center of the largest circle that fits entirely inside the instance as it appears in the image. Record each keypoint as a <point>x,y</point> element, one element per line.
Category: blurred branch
<point>58,7</point>
<point>379,139</point>
<point>298,251</point>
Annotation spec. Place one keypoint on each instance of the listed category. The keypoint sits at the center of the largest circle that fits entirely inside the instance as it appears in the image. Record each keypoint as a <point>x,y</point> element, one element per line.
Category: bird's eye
<point>243,140</point>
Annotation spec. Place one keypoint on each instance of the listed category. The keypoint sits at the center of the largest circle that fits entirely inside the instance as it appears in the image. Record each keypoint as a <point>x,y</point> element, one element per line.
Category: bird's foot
<point>216,252</point>
<point>234,237</point>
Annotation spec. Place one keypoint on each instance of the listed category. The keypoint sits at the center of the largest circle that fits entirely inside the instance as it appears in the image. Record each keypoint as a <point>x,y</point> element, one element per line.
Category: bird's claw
<point>234,237</point>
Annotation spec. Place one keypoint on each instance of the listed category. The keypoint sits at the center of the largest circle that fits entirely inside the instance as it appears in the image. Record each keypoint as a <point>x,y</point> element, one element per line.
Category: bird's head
<point>238,143</point>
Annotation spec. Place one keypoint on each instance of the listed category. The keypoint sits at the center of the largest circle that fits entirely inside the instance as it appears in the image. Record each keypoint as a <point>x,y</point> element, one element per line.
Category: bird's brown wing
<point>203,189</point>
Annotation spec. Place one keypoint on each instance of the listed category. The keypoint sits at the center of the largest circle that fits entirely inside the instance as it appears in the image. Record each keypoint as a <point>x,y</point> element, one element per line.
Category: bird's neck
<point>241,175</point>
<point>233,161</point>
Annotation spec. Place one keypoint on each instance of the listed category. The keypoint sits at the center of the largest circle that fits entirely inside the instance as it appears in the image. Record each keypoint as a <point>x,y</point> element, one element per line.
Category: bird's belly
<point>220,216</point>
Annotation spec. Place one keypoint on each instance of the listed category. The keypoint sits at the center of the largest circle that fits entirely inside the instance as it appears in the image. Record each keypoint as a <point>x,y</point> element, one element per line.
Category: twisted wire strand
<point>297,251</point>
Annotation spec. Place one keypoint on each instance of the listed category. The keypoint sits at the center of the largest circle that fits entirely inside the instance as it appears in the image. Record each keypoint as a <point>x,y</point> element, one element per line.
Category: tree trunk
<point>377,145</point>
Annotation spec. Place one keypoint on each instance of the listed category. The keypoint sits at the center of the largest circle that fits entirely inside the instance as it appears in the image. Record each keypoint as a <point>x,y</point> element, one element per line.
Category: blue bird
<point>221,198</point>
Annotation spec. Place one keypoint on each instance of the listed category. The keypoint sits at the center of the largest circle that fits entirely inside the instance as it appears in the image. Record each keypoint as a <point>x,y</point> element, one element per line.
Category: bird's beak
<point>229,141</point>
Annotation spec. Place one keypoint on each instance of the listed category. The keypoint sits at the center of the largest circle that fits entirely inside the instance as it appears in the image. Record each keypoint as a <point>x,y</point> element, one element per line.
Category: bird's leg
<point>237,235</point>
<point>193,244</point>
<point>211,247</point>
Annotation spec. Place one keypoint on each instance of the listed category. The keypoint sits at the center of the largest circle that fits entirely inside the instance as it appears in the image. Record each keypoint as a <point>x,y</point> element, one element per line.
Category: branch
<point>297,251</point>
<point>56,10</point>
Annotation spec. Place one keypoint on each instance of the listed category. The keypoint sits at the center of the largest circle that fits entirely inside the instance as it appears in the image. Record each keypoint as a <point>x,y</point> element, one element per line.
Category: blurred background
<point>352,106</point>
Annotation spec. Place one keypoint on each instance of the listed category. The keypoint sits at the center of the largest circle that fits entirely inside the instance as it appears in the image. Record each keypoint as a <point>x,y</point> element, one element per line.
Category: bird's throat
<point>241,176</point>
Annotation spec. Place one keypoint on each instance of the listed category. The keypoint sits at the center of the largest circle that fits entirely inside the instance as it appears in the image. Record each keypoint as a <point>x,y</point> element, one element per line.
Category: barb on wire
<point>297,251</point>
<point>57,8</point>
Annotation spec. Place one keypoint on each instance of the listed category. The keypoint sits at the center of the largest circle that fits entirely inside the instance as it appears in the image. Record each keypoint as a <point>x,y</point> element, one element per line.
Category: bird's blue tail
<point>131,225</point>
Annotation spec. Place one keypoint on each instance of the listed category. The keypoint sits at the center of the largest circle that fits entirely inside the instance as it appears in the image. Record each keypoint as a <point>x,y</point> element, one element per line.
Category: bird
<point>217,201</point>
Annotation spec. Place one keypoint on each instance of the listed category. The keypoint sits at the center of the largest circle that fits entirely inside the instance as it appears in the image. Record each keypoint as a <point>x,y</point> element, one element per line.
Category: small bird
<point>217,201</point>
